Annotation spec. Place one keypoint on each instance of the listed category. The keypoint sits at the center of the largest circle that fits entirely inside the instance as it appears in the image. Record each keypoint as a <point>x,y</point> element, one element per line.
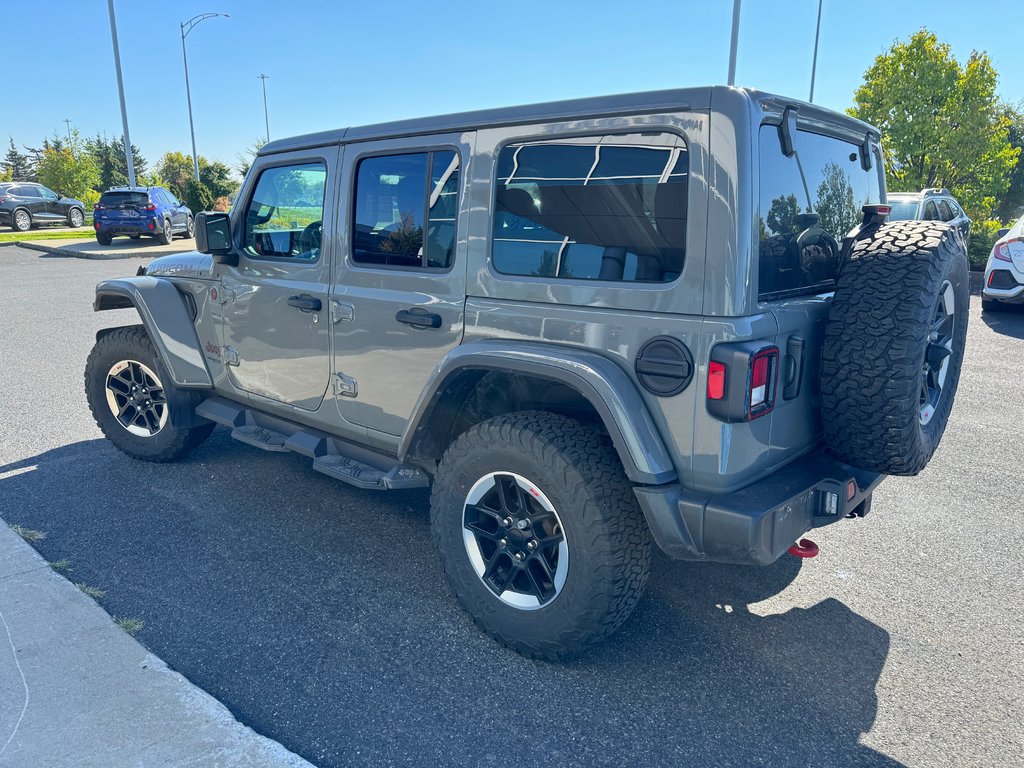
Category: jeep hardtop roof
<point>672,100</point>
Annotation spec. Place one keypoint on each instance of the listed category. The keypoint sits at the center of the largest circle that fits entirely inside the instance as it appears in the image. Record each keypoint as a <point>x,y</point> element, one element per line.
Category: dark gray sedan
<point>25,204</point>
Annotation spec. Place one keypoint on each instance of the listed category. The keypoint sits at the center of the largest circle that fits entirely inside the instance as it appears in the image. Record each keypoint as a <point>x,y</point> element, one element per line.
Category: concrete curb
<point>80,691</point>
<point>35,245</point>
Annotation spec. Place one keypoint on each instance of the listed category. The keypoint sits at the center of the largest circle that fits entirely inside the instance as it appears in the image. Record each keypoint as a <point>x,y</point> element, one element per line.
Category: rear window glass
<point>611,208</point>
<point>807,204</point>
<point>903,211</point>
<point>124,198</point>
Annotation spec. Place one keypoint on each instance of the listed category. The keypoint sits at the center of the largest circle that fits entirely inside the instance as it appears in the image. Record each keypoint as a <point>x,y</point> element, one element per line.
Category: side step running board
<point>331,455</point>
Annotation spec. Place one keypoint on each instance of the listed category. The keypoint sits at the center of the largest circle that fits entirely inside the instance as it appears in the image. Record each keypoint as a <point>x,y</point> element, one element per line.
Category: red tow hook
<point>804,548</point>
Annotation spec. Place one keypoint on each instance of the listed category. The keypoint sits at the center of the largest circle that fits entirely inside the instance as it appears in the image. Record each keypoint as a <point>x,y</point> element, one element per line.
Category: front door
<point>400,290</point>
<point>276,332</point>
<point>54,210</point>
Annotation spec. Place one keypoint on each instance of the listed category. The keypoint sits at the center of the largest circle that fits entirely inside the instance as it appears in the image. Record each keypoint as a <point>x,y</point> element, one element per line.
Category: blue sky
<point>341,63</point>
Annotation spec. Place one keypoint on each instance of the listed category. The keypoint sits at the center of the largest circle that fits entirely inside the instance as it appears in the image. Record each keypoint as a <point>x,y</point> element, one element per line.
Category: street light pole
<point>68,124</point>
<point>120,93</point>
<point>186,27</point>
<point>735,41</point>
<point>266,119</point>
<point>814,62</point>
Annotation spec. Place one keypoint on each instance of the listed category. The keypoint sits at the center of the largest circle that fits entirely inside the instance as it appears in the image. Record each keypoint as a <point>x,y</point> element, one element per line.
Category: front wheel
<point>539,532</point>
<point>132,401</point>
<point>991,305</point>
<point>76,218</point>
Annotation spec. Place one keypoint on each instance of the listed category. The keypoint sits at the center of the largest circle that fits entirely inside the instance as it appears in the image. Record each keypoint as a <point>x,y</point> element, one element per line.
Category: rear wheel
<point>190,228</point>
<point>22,221</point>
<point>539,532</point>
<point>103,238</point>
<point>165,235</point>
<point>132,399</point>
<point>894,345</point>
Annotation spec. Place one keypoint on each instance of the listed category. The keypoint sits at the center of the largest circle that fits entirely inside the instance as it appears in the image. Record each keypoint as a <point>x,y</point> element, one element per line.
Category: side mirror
<point>213,236</point>
<point>1002,232</point>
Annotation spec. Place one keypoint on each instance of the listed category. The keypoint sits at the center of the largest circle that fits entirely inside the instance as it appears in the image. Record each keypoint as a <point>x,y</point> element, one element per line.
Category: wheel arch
<point>483,379</point>
<point>167,319</point>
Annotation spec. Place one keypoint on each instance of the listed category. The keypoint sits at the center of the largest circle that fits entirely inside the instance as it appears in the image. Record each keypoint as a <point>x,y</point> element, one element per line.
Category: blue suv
<point>138,211</point>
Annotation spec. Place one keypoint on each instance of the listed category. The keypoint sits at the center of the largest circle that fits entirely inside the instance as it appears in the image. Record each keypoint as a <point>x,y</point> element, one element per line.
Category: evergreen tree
<point>17,164</point>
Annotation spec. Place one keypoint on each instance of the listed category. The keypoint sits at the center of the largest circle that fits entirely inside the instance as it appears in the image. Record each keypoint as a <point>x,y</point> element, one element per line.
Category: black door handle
<point>305,302</point>
<point>418,318</point>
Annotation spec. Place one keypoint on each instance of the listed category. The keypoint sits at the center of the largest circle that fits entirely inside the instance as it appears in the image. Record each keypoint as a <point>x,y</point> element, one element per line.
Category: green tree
<point>1012,201</point>
<point>64,172</point>
<point>245,158</point>
<point>16,164</point>
<point>113,163</point>
<point>941,123</point>
<point>176,169</point>
<point>197,196</point>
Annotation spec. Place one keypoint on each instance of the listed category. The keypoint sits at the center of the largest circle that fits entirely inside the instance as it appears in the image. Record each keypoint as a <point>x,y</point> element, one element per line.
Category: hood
<point>194,265</point>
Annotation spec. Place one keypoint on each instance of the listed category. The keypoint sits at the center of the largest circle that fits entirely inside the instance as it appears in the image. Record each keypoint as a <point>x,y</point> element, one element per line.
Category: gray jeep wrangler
<point>676,316</point>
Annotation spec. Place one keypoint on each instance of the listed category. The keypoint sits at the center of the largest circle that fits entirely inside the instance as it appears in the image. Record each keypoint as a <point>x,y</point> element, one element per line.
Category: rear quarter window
<point>807,204</point>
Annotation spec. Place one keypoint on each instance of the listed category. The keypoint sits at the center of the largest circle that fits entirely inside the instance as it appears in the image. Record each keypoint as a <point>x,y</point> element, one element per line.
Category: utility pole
<point>814,62</point>
<point>735,41</point>
<point>68,124</point>
<point>186,27</point>
<point>266,119</point>
<point>120,93</point>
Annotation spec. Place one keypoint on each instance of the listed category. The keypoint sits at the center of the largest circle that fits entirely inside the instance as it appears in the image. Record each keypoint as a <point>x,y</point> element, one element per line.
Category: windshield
<point>806,205</point>
<point>902,211</point>
<point>115,199</point>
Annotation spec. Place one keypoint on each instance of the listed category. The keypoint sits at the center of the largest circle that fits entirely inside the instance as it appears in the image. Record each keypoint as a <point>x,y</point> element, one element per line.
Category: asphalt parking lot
<point>318,614</point>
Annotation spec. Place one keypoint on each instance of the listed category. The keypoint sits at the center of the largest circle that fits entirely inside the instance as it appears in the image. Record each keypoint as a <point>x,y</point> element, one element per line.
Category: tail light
<point>150,207</point>
<point>97,207</point>
<point>1002,251</point>
<point>741,381</point>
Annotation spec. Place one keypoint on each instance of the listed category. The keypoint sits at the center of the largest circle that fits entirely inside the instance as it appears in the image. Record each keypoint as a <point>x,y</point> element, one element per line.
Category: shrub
<point>222,204</point>
<point>983,237</point>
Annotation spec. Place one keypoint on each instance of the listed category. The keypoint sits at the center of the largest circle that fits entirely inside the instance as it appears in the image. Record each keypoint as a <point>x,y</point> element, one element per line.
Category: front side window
<point>47,193</point>
<point>405,210</point>
<point>807,204</point>
<point>284,218</point>
<point>611,208</point>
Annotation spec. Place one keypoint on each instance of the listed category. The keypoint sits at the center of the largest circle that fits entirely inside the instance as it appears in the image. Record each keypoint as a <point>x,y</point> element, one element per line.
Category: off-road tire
<point>166,234</point>
<point>171,442</point>
<point>876,341</point>
<point>608,541</point>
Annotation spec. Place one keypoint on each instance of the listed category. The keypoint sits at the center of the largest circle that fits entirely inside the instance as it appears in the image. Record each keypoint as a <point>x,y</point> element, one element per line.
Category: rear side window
<point>115,199</point>
<point>28,192</point>
<point>610,208</point>
<point>807,205</point>
<point>945,211</point>
<point>406,209</point>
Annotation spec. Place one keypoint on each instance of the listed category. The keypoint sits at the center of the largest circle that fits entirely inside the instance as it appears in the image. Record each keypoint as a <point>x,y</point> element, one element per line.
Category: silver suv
<point>675,316</point>
<point>931,204</point>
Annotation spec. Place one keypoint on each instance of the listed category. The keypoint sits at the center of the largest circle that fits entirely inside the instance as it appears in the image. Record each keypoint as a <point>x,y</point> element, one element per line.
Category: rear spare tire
<point>894,345</point>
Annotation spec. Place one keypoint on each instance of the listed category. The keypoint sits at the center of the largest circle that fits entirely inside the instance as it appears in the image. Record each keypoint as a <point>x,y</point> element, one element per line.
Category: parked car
<point>932,204</point>
<point>589,325</point>
<point>1004,272</point>
<point>138,211</point>
<point>25,204</point>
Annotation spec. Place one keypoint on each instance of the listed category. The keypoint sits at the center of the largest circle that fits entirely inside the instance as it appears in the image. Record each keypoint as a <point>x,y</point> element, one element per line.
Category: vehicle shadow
<point>1008,321</point>
<point>319,615</point>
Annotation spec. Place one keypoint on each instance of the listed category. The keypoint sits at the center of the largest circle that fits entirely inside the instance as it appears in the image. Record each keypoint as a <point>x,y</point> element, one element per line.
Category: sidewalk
<point>75,690</point>
<point>120,248</point>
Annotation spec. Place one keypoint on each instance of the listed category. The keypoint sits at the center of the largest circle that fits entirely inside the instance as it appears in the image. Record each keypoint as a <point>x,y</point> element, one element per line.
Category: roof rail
<point>935,191</point>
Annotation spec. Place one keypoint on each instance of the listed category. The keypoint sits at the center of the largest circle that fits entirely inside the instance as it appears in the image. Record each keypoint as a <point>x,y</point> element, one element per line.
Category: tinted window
<point>395,195</point>
<point>607,209</point>
<point>931,212</point>
<point>115,199</point>
<point>28,192</point>
<point>285,215</point>
<point>171,199</point>
<point>807,204</point>
<point>945,212</point>
<point>47,193</point>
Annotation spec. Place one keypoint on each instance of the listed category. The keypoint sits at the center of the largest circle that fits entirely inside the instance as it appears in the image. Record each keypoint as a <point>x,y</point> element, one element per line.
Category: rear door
<point>276,340</point>
<point>400,289</point>
<point>31,200</point>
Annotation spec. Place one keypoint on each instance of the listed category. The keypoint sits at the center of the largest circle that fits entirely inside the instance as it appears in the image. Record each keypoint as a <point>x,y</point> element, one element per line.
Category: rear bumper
<point>756,524</point>
<point>131,227</point>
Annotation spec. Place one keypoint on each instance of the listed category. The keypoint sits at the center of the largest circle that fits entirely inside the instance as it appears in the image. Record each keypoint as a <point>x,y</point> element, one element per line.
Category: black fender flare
<point>603,383</point>
<point>168,321</point>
